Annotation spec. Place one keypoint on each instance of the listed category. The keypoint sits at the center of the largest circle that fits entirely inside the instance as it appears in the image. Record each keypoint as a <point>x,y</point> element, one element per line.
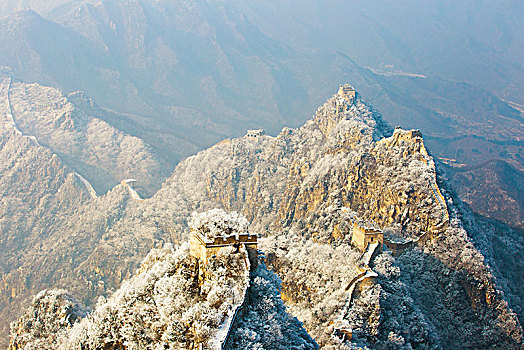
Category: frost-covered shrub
<point>164,306</point>
<point>217,222</point>
<point>266,324</point>
<point>384,265</point>
<point>51,314</point>
<point>402,323</point>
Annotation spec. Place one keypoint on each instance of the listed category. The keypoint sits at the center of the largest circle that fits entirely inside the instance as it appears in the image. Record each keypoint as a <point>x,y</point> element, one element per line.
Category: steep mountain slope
<point>38,192</point>
<point>197,82</point>
<point>172,302</point>
<point>94,148</point>
<point>302,179</point>
<point>500,186</point>
<point>37,54</point>
<point>478,42</point>
<point>166,304</point>
<point>182,76</point>
<point>301,190</point>
<point>44,138</point>
<point>469,130</point>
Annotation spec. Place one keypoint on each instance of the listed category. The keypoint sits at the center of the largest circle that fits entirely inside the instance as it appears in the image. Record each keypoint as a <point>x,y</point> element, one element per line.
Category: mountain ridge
<point>184,90</point>
<point>283,184</point>
<point>299,189</point>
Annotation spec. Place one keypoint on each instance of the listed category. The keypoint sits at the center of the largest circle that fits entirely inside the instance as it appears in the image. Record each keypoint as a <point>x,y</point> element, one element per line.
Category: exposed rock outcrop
<point>297,189</point>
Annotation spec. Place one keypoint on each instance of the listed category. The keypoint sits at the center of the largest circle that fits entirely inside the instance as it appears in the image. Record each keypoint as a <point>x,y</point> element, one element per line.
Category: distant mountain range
<point>96,92</point>
<point>447,286</point>
<point>182,76</point>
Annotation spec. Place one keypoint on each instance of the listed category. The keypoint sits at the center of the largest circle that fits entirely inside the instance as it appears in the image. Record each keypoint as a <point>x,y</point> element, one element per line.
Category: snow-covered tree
<point>50,316</point>
<point>217,222</point>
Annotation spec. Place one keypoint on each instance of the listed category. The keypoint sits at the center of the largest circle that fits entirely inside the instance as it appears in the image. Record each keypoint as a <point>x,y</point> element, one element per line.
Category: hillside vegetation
<point>184,75</point>
<point>300,190</point>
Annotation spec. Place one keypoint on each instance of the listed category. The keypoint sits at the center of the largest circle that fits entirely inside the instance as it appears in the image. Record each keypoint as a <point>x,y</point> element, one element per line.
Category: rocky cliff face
<point>300,190</point>
<point>300,181</point>
<point>45,143</point>
<point>339,157</point>
<point>103,154</point>
<point>51,314</point>
<point>182,87</point>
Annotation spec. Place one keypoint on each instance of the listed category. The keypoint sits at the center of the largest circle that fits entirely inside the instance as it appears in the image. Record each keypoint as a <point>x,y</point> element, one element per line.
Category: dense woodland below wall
<point>297,190</point>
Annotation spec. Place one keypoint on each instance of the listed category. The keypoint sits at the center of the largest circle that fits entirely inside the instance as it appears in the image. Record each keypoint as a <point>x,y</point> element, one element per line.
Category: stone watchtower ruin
<point>255,134</point>
<point>365,233</point>
<point>345,98</point>
<point>408,135</point>
<point>211,234</point>
<point>204,248</point>
<point>347,92</point>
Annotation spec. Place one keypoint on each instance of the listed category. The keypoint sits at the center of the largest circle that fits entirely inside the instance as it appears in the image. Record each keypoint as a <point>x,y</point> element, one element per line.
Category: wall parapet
<point>225,343</point>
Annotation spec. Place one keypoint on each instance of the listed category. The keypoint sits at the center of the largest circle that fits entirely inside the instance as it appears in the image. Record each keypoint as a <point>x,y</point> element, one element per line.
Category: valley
<point>295,189</point>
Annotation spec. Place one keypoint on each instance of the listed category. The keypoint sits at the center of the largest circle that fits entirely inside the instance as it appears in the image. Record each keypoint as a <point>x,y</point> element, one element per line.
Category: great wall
<point>223,339</point>
<point>366,236</point>
<point>10,120</point>
<point>132,192</point>
<point>369,239</point>
<point>203,249</point>
<point>365,277</point>
<point>6,86</point>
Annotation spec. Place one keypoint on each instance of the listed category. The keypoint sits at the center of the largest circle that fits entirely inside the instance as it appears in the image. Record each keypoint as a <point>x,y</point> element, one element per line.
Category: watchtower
<point>413,135</point>
<point>255,133</point>
<point>347,92</point>
<point>216,229</point>
<point>203,248</point>
<point>364,233</point>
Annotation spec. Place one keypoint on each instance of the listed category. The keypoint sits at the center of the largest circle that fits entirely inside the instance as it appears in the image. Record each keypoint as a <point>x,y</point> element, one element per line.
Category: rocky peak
<point>51,314</point>
<point>299,190</point>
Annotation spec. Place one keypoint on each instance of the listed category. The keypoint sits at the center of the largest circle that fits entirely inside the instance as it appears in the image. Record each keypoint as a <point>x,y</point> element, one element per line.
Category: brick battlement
<point>363,234</point>
<point>408,135</point>
<point>226,240</point>
<point>255,133</point>
<point>348,93</point>
<point>203,248</point>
